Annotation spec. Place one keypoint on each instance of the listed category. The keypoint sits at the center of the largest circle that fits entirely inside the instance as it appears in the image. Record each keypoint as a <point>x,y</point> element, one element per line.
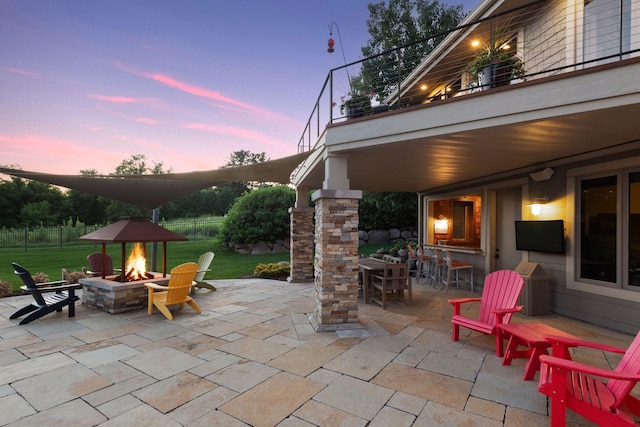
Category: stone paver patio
<point>252,359</point>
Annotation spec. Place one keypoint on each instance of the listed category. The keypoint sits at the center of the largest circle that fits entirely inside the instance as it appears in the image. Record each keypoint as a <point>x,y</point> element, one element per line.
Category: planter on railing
<point>495,75</point>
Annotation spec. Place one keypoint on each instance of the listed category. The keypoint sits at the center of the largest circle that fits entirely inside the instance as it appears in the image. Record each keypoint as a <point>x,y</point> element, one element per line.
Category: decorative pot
<point>485,77</point>
<point>354,111</point>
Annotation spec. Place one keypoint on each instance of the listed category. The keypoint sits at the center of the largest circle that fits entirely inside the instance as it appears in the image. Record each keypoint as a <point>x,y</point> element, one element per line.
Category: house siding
<point>544,41</point>
<point>614,313</point>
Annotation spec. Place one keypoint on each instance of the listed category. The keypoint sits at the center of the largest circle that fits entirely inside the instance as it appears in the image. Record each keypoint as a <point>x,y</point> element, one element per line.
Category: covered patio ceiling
<point>505,132</point>
<point>434,162</point>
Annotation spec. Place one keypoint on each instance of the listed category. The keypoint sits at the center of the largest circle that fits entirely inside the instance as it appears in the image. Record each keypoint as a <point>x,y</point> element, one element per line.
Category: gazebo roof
<point>133,229</point>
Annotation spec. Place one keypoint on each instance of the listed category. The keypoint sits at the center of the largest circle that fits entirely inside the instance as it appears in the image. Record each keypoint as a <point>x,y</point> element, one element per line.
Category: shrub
<point>73,277</point>
<point>5,288</point>
<point>383,210</point>
<point>261,215</point>
<point>271,270</point>
<point>40,278</point>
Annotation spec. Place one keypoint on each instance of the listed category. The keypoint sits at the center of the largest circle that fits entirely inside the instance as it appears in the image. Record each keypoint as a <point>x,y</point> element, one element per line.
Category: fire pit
<point>126,291</point>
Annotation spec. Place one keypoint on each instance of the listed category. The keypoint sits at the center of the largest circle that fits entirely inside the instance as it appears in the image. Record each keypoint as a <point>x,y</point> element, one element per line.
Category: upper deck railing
<point>540,39</point>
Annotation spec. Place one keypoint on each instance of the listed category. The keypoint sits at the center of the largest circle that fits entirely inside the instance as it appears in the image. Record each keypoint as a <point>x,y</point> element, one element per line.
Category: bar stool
<point>437,267</point>
<point>425,260</point>
<point>455,266</point>
<point>421,263</point>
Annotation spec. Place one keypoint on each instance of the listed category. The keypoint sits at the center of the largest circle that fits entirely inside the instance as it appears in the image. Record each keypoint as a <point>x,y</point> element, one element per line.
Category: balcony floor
<point>252,358</point>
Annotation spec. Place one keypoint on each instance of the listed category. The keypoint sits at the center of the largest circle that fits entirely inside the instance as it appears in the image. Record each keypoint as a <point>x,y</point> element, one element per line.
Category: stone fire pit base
<point>115,297</point>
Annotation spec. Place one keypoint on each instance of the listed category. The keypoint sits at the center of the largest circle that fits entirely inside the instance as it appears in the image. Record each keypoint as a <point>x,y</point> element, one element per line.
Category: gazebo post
<point>104,259</point>
<point>164,259</point>
<point>124,272</point>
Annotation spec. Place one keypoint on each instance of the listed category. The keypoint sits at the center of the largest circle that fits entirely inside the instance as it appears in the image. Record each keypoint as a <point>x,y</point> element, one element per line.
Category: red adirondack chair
<point>569,384</point>
<point>498,302</point>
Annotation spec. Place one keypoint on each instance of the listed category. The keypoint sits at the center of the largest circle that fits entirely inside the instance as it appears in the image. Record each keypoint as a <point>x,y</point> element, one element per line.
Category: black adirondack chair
<point>63,295</point>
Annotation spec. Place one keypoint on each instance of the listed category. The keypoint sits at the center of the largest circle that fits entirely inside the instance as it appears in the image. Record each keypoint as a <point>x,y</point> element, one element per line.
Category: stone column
<point>301,248</point>
<point>336,260</point>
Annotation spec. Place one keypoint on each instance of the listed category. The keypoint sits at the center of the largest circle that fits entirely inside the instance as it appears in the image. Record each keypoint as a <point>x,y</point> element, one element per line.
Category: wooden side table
<point>533,336</point>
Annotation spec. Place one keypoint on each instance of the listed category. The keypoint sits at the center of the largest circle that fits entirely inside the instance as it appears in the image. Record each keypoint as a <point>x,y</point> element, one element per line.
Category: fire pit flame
<point>137,264</point>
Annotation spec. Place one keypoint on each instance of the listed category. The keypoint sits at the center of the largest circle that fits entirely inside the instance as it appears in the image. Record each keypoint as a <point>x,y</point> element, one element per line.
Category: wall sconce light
<point>441,225</point>
<point>536,205</point>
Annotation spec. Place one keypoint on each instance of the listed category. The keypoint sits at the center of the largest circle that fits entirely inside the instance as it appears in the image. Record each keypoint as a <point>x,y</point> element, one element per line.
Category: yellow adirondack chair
<point>176,292</point>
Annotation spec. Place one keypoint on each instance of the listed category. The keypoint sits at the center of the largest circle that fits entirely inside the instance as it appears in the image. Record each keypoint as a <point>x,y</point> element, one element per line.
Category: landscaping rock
<point>377,237</point>
<point>278,249</point>
<point>407,235</point>
<point>394,233</point>
<point>260,248</point>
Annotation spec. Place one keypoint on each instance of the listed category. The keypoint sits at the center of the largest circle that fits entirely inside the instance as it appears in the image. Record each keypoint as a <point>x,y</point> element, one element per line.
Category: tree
<point>397,23</point>
<point>36,214</point>
<point>135,165</point>
<point>10,194</point>
<point>244,157</point>
<point>18,193</point>
<point>261,215</point>
<point>87,208</point>
<point>383,210</point>
<point>241,158</point>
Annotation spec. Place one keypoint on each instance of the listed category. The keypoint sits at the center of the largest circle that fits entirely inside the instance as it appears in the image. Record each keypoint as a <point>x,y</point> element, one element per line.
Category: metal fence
<point>546,37</point>
<point>68,237</point>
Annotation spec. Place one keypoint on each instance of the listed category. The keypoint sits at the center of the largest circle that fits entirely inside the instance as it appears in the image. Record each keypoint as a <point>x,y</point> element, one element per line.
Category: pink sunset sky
<point>87,84</point>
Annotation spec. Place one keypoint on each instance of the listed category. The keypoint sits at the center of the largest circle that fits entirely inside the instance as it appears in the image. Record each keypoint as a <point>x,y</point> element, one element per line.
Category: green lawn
<point>227,263</point>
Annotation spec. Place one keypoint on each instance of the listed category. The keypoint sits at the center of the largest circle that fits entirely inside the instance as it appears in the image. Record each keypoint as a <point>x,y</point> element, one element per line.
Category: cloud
<point>116,99</point>
<point>44,153</point>
<point>142,142</point>
<point>202,92</point>
<point>20,72</point>
<point>147,121</point>
<point>236,132</point>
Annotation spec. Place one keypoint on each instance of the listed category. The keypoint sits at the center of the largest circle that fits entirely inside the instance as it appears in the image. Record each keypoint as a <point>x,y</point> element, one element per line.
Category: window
<point>609,230</point>
<point>634,229</point>
<point>607,28</point>
<point>462,218</point>
<point>598,206</point>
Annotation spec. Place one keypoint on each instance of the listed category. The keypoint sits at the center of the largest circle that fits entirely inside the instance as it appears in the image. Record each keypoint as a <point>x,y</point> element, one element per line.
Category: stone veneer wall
<point>115,297</point>
<point>301,244</point>
<point>336,259</point>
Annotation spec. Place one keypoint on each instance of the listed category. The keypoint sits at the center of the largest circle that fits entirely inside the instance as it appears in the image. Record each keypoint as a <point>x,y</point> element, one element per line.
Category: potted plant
<point>495,66</point>
<point>356,104</point>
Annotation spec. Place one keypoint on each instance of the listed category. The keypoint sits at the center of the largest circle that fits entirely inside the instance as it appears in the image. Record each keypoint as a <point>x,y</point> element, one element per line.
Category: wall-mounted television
<point>540,236</point>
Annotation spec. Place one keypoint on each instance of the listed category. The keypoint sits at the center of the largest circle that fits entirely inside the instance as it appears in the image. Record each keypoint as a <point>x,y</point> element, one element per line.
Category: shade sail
<point>152,191</point>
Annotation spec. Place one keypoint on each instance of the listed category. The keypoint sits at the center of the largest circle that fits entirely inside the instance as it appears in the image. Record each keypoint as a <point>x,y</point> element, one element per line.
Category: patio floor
<point>252,359</point>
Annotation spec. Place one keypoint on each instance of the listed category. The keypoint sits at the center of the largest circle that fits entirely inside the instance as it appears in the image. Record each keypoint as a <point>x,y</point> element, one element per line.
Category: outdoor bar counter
<point>456,249</point>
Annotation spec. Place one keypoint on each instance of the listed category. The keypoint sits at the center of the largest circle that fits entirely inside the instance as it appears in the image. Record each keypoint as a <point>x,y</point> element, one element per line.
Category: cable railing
<point>540,39</point>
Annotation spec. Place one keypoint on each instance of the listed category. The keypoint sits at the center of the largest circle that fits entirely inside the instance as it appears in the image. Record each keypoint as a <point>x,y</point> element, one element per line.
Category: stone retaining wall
<point>393,235</point>
<point>261,248</point>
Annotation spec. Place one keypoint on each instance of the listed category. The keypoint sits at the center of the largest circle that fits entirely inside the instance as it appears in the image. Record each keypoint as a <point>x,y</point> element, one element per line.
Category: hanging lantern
<point>331,43</point>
